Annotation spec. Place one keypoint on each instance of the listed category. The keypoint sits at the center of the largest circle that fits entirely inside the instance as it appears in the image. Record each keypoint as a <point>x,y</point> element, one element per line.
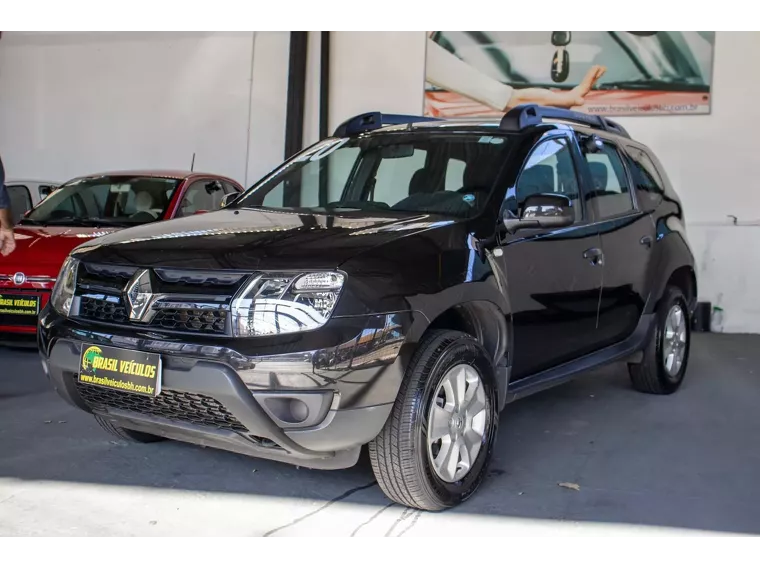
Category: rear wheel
<point>434,450</point>
<point>126,434</point>
<point>665,358</point>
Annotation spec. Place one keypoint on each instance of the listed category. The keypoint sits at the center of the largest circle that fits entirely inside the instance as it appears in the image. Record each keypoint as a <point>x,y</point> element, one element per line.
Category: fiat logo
<point>19,278</point>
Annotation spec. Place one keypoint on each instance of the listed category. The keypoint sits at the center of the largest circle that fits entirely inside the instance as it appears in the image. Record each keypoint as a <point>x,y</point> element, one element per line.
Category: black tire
<point>650,376</point>
<point>125,434</point>
<point>399,454</point>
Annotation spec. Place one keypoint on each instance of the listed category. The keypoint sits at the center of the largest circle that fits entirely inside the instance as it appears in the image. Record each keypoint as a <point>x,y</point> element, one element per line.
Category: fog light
<point>298,410</point>
<point>295,409</point>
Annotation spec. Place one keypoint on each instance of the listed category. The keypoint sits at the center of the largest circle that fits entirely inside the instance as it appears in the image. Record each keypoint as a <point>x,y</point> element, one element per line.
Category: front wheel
<point>434,450</point>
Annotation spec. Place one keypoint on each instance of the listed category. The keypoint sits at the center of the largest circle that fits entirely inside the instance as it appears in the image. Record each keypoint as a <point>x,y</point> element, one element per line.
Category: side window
<point>549,169</point>
<point>646,178</point>
<point>393,180</point>
<point>44,190</point>
<point>203,195</point>
<point>228,187</point>
<point>21,201</point>
<point>609,194</point>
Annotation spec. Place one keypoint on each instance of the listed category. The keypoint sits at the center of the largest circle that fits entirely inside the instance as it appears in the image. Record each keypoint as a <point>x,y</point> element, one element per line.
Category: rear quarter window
<point>647,179</point>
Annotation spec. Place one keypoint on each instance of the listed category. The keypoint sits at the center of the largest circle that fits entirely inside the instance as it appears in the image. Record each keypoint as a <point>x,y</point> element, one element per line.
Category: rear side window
<point>646,178</point>
<point>21,201</point>
<point>609,194</point>
<point>44,190</point>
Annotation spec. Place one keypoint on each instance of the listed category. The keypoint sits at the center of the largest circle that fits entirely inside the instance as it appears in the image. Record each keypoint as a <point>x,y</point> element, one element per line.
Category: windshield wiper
<point>27,221</point>
<point>653,84</point>
<point>86,222</point>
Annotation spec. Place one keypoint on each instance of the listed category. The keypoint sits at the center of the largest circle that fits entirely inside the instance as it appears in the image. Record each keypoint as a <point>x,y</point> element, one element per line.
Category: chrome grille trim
<point>37,279</point>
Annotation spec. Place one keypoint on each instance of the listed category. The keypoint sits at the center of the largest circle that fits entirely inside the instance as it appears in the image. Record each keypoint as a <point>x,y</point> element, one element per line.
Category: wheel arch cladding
<point>483,320</point>
<point>673,264</point>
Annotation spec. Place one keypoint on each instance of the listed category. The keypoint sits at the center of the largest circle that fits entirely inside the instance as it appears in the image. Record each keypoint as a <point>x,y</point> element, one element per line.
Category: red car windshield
<point>105,200</point>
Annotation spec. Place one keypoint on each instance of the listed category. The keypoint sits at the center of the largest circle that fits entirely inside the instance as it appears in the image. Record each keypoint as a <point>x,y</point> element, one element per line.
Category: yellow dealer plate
<point>124,370</point>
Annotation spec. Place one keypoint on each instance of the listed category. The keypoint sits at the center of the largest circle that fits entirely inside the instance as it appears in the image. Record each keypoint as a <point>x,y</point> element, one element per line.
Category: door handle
<point>594,255</point>
<point>646,240</point>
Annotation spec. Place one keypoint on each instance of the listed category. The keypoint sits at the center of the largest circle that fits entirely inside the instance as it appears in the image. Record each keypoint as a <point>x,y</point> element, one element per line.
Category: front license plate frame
<point>124,370</point>
<point>19,310</point>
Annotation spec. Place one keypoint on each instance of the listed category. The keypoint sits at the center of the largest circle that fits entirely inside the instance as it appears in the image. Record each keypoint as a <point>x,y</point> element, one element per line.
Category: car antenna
<point>192,163</point>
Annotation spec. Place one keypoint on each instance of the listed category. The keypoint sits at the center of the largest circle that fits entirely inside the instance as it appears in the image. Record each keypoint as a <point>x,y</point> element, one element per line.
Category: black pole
<point>295,108</point>
<point>324,106</point>
<point>324,84</point>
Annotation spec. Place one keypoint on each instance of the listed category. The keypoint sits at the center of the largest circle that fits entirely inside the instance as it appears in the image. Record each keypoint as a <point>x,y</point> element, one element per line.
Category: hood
<point>255,239</point>
<point>40,251</point>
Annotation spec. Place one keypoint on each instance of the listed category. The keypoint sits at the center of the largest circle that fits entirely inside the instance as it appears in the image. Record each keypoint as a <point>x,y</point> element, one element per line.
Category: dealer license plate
<point>19,305</point>
<point>123,370</point>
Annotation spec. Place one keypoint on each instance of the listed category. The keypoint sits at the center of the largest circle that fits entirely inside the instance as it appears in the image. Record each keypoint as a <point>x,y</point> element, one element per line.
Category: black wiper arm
<point>653,84</point>
<point>27,221</point>
<point>87,222</point>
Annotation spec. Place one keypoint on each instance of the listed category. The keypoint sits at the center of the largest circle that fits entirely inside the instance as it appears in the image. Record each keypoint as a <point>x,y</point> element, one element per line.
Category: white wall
<point>77,103</point>
<point>710,159</point>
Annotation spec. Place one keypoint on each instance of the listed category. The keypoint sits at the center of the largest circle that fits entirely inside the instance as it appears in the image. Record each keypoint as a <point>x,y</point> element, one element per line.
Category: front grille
<point>177,319</point>
<point>190,301</point>
<point>173,405</point>
<point>203,321</point>
<point>102,310</point>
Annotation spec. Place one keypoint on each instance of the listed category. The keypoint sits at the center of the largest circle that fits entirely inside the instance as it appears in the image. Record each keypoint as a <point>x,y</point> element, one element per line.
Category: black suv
<point>393,285</point>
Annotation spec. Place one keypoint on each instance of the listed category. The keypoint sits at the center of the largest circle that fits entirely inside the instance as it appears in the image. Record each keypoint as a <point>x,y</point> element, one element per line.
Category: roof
<point>516,120</point>
<point>177,174</point>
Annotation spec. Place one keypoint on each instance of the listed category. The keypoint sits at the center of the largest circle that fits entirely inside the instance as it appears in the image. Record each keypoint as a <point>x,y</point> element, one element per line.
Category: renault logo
<point>138,294</point>
<point>19,279</point>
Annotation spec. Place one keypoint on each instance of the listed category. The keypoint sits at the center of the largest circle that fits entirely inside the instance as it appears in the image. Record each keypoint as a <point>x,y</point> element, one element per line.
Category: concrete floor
<point>643,463</point>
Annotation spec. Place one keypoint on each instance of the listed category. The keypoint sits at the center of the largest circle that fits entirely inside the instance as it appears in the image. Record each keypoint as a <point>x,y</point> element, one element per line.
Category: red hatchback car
<point>83,209</point>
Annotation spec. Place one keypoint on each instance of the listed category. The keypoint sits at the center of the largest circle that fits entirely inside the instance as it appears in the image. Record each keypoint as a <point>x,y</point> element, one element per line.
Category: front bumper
<point>216,395</point>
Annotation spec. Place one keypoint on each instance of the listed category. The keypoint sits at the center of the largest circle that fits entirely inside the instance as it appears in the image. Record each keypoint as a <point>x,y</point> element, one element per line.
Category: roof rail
<point>523,116</point>
<point>374,120</point>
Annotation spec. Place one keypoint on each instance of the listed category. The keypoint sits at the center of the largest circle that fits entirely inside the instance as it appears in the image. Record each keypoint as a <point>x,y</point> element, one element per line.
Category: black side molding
<point>567,371</point>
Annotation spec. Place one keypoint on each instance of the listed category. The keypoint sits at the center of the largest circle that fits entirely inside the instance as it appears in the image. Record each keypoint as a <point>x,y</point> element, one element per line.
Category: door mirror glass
<point>543,211</point>
<point>229,199</point>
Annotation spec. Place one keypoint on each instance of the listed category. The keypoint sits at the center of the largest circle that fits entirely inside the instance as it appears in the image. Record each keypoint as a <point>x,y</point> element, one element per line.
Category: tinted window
<point>609,193</point>
<point>107,199</point>
<point>44,190</point>
<point>21,201</point>
<point>645,176</point>
<point>204,195</point>
<point>549,169</point>
<point>429,172</point>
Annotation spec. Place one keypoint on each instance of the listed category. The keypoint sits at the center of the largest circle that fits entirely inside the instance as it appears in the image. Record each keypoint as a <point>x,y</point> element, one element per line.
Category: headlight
<point>272,304</point>
<point>63,291</point>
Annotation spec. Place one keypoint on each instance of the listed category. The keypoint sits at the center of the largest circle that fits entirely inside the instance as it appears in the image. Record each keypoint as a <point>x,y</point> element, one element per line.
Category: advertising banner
<point>483,74</point>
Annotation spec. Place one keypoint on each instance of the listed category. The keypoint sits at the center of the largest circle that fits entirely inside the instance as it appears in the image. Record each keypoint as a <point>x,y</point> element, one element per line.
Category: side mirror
<point>542,211</point>
<point>229,199</point>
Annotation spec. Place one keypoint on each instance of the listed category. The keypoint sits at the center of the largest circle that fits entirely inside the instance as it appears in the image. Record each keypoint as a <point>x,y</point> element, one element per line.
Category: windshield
<point>634,60</point>
<point>105,200</point>
<point>432,172</point>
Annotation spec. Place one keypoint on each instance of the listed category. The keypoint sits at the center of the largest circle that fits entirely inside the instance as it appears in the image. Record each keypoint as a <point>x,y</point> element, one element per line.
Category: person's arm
<point>445,70</point>
<point>7,240</point>
<point>5,217</point>
<point>5,201</point>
